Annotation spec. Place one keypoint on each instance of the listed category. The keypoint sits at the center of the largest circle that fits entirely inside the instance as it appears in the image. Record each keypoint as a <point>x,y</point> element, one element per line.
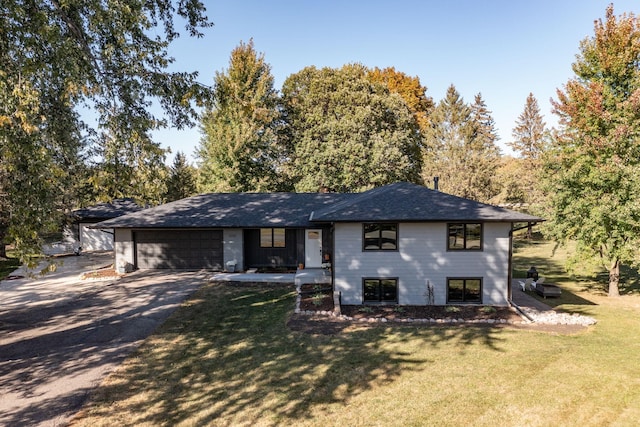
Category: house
<point>91,239</point>
<point>397,244</point>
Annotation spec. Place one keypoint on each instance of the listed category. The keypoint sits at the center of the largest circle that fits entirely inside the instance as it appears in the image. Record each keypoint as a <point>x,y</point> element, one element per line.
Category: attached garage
<point>178,249</point>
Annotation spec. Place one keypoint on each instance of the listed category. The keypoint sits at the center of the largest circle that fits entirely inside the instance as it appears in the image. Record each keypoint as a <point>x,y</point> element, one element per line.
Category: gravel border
<point>529,316</point>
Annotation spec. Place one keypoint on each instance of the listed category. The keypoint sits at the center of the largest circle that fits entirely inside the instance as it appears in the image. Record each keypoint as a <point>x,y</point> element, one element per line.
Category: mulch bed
<point>322,300</point>
<point>103,273</point>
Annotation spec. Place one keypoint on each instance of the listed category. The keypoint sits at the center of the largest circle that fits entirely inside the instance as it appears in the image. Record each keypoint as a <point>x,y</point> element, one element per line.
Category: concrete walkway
<point>525,299</point>
<point>301,277</point>
<point>60,335</point>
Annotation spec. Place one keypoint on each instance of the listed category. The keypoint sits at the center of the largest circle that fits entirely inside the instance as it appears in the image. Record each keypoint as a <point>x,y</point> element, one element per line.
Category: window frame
<point>380,301</point>
<point>465,235</point>
<point>464,292</point>
<point>380,229</point>
<point>275,242</point>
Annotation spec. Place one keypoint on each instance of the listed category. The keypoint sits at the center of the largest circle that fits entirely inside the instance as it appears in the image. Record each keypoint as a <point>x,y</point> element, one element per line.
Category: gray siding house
<point>92,239</point>
<point>397,244</point>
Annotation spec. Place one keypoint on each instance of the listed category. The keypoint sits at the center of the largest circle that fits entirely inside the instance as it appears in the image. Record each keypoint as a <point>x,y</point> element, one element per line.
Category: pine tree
<point>238,150</point>
<point>181,182</point>
<point>529,133</point>
<point>460,148</point>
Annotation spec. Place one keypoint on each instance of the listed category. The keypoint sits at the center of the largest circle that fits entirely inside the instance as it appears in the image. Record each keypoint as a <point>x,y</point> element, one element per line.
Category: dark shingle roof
<point>396,202</point>
<point>103,211</point>
<point>232,210</point>
<point>403,201</point>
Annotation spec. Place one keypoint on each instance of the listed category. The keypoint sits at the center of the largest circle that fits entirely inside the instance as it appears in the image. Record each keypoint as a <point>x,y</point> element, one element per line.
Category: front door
<point>313,248</point>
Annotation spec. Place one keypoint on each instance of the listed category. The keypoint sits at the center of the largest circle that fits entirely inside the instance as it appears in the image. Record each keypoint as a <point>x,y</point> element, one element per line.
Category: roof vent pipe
<point>435,182</point>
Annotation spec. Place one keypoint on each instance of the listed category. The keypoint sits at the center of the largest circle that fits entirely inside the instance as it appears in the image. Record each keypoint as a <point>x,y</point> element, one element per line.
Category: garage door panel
<point>178,249</point>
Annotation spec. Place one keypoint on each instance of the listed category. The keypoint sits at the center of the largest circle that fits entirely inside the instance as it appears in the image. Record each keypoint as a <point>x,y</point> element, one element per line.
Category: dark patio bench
<point>548,290</point>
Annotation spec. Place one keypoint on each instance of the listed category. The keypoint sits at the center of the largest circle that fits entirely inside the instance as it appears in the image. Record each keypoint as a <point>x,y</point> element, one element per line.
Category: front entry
<point>313,248</point>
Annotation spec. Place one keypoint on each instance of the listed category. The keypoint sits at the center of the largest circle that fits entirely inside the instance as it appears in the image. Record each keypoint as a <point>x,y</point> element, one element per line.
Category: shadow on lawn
<point>229,357</point>
<point>550,259</point>
<point>53,350</point>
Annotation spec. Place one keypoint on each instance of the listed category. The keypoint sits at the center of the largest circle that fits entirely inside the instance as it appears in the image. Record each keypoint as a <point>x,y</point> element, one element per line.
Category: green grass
<point>228,358</point>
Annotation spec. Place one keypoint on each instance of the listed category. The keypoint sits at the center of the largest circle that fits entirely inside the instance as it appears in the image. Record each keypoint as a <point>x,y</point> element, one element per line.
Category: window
<point>272,238</point>
<point>464,290</point>
<point>380,237</point>
<point>465,237</point>
<point>380,290</point>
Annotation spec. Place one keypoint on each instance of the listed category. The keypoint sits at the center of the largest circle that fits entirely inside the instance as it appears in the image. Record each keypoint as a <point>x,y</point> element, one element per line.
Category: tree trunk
<point>3,249</point>
<point>614,279</point>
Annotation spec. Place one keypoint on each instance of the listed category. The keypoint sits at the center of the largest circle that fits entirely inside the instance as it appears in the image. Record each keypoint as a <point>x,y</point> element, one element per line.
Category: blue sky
<point>502,49</point>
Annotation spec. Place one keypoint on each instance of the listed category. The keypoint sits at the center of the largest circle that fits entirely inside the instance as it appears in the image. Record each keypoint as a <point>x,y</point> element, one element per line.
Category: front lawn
<point>227,357</point>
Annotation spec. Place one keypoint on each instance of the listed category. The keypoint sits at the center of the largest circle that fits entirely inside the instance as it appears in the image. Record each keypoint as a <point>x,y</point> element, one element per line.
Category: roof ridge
<point>358,197</point>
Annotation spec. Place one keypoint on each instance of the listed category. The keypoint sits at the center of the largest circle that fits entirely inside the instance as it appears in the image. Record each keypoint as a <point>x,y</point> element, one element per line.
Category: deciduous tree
<point>594,163</point>
<point>409,88</point>
<point>346,133</point>
<point>238,150</point>
<point>55,57</point>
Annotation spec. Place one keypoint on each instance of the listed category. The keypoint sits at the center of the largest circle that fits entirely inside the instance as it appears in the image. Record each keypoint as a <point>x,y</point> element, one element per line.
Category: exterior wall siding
<point>124,249</point>
<point>422,259</point>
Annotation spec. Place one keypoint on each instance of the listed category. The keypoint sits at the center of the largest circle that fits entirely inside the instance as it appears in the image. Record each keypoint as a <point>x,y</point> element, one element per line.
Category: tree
<point>484,153</point>
<point>509,176</point>
<point>529,142</point>
<point>181,182</point>
<point>460,147</point>
<point>593,167</point>
<point>129,166</point>
<point>57,57</point>
<point>409,88</point>
<point>238,150</point>
<point>345,133</point>
<point>529,132</point>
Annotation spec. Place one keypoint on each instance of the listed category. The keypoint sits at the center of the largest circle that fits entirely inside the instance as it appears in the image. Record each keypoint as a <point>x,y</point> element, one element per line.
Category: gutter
<point>520,311</point>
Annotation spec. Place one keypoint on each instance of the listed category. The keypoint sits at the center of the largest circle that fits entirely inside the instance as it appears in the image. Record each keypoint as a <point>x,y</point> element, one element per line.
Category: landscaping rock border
<point>528,316</point>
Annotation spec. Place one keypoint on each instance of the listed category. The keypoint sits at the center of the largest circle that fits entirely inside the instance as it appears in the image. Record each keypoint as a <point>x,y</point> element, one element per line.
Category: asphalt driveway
<point>61,335</point>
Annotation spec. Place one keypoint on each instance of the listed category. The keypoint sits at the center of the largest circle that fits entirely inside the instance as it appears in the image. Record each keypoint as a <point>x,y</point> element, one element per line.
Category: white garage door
<point>95,240</point>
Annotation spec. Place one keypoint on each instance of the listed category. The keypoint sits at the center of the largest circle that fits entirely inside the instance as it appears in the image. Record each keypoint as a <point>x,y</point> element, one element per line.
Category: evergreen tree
<point>529,142</point>
<point>239,148</point>
<point>346,133</point>
<point>483,154</point>
<point>181,182</point>
<point>529,133</point>
<point>593,167</point>
<point>460,148</point>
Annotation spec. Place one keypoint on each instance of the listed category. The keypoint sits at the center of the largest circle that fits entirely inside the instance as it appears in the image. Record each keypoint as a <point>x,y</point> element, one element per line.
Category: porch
<point>299,278</point>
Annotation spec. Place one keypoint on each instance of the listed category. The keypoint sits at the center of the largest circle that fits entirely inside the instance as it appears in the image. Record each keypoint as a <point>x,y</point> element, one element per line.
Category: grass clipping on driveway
<point>228,358</point>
